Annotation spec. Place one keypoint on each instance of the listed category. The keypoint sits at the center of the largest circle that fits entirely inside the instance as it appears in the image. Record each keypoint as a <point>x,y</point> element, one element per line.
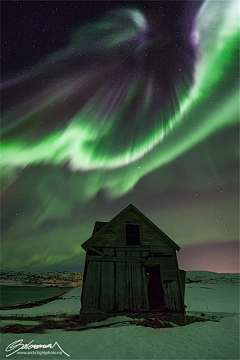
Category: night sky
<point>110,103</point>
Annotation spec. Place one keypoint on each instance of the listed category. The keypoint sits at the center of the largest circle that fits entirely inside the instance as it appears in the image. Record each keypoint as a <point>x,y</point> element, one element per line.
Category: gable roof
<point>101,227</point>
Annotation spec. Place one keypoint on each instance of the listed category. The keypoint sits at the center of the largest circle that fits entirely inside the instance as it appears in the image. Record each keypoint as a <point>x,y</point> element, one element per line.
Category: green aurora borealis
<point>120,115</point>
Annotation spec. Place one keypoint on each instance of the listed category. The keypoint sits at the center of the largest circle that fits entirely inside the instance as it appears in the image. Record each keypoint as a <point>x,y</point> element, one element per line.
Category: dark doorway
<point>155,290</point>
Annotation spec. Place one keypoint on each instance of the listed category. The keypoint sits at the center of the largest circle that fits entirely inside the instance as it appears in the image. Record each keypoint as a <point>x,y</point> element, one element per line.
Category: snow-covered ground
<point>211,295</point>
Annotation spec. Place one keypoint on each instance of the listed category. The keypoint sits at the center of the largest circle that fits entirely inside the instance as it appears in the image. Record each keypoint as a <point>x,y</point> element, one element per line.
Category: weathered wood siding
<point>115,273</point>
<point>172,295</point>
<point>121,285</point>
<point>107,286</point>
<point>91,290</point>
<point>138,300</point>
<point>115,285</point>
<point>115,235</point>
<point>169,271</point>
<point>182,274</point>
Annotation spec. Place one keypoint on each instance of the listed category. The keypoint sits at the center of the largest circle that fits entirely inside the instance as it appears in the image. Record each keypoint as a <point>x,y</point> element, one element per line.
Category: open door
<point>155,290</point>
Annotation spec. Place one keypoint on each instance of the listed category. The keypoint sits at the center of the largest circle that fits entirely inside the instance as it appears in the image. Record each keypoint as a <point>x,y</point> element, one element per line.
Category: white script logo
<point>18,346</point>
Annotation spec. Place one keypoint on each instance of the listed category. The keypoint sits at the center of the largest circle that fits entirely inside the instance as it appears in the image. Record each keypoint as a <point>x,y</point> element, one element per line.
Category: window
<point>132,235</point>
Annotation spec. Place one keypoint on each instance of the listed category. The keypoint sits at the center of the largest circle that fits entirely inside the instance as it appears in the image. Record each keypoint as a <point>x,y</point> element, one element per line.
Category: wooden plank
<point>96,251</point>
<point>167,296</point>
<point>133,258</point>
<point>145,302</point>
<point>121,253</point>
<point>144,254</point>
<point>121,287</point>
<point>136,287</point>
<point>92,286</point>
<point>133,254</point>
<point>86,291</point>
<point>139,305</point>
<point>128,286</point>
<point>177,294</point>
<point>172,295</point>
<point>109,251</point>
<point>129,247</point>
<point>84,287</point>
<point>113,259</point>
<point>133,286</point>
<point>169,270</point>
<point>136,283</point>
<point>95,283</point>
<point>182,274</point>
<point>107,295</point>
<point>121,283</point>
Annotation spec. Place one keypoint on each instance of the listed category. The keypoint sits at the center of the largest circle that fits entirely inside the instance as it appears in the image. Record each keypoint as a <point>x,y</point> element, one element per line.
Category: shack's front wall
<point>119,285</point>
<point>115,273</point>
<point>117,281</point>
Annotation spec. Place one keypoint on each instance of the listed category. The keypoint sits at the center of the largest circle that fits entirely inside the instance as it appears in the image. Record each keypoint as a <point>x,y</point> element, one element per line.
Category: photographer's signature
<point>18,345</point>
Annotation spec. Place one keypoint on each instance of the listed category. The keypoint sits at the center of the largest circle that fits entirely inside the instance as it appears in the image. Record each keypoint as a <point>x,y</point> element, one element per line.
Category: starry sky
<point>108,103</point>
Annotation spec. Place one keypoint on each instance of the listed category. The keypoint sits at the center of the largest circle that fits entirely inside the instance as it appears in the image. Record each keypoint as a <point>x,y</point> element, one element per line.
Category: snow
<point>212,298</point>
<point>208,340</point>
<point>211,292</point>
<point>200,340</point>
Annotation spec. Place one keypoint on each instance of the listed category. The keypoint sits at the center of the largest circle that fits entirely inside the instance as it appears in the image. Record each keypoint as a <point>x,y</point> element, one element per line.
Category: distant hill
<point>211,277</point>
<point>68,278</point>
<point>56,278</point>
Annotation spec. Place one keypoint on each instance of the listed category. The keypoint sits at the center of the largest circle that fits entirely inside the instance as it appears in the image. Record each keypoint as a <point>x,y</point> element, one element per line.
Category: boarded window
<point>132,235</point>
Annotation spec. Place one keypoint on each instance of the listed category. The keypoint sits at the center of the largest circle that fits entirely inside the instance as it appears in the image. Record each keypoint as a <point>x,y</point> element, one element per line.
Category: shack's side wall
<point>182,274</point>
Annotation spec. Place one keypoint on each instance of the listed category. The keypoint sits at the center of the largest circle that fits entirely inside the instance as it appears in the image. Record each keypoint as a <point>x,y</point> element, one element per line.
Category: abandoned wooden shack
<point>131,268</point>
